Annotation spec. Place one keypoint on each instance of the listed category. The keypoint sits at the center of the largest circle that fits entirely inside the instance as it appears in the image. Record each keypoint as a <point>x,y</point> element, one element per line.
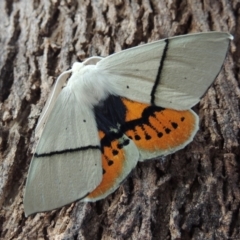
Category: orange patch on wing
<point>159,129</point>
<point>135,109</point>
<point>113,160</point>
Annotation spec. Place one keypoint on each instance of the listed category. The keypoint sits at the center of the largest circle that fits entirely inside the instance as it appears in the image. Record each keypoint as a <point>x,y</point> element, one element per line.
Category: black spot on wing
<point>167,130</point>
<point>137,137</point>
<point>147,137</point>
<point>174,125</point>
<point>125,142</point>
<point>110,162</point>
<point>114,152</point>
<point>160,134</point>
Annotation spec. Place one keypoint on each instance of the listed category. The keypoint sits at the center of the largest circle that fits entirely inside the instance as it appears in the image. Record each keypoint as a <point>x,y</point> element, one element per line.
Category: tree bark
<point>192,194</point>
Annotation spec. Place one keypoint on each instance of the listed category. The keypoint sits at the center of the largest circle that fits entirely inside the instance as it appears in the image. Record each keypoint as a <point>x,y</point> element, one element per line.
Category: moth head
<point>77,66</point>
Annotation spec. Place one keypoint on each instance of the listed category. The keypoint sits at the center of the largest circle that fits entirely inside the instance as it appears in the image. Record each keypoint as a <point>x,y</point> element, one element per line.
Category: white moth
<point>68,164</point>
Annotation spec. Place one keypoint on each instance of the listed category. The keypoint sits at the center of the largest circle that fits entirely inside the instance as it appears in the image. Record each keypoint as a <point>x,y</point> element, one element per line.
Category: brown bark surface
<point>192,194</point>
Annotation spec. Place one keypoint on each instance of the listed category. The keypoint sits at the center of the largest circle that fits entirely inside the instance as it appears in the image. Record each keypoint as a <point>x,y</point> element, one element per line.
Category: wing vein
<point>159,72</point>
<point>67,151</point>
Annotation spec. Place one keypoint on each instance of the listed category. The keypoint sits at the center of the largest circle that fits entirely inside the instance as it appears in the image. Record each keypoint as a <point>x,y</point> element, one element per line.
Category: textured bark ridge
<point>192,194</point>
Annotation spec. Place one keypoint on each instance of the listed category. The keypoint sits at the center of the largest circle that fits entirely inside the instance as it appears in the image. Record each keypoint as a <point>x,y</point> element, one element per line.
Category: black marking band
<point>70,150</point>
<point>157,80</point>
<point>111,114</point>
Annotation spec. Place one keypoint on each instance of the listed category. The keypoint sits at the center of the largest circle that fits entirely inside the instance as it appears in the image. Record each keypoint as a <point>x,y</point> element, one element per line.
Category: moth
<point>131,106</point>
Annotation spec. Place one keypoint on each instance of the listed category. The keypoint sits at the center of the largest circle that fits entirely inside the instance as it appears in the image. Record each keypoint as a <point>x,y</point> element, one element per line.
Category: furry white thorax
<point>86,82</point>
